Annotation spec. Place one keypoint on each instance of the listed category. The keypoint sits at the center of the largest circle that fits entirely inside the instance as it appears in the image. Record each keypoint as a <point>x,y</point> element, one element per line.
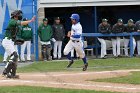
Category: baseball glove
<point>19,41</point>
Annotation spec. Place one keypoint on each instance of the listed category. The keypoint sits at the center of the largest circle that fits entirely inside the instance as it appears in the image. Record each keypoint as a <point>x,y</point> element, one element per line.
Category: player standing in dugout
<point>27,36</point>
<point>116,40</point>
<point>10,39</point>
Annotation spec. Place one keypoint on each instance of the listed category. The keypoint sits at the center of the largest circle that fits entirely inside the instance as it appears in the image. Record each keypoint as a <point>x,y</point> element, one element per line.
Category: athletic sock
<point>69,56</point>
<point>84,60</point>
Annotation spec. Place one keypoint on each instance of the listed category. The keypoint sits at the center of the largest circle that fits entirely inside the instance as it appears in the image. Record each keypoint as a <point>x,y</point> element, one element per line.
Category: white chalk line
<point>84,73</point>
<point>71,84</point>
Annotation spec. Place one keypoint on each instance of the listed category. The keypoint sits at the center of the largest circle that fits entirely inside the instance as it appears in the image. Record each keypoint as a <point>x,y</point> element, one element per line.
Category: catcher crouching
<point>10,39</point>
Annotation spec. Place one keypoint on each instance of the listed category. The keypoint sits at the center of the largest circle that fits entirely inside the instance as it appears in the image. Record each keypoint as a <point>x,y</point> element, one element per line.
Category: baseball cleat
<point>12,77</point>
<point>70,63</point>
<point>85,67</point>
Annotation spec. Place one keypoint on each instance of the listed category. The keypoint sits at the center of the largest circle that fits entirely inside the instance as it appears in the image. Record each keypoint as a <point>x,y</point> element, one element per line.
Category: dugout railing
<point>95,35</point>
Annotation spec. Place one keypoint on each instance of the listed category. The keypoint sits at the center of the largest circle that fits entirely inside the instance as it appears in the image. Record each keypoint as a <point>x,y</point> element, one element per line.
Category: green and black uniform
<point>11,34</point>
<point>27,33</point>
<point>12,29</point>
<point>45,33</point>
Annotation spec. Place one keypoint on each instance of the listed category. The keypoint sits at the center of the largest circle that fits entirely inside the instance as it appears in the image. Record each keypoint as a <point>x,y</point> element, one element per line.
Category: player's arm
<point>27,22</point>
<point>69,34</point>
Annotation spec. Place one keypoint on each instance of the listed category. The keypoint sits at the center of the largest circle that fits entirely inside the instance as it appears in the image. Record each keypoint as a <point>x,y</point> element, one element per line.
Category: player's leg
<point>80,51</point>
<point>55,50</point>
<point>23,46</point>
<point>59,49</point>
<point>134,45</point>
<point>138,47</point>
<point>126,42</point>
<point>67,51</point>
<point>44,49</point>
<point>5,57</point>
<point>13,64</point>
<point>16,48</point>
<point>72,53</point>
<point>10,68</point>
<point>103,47</point>
<point>114,44</point>
<point>29,50</point>
<point>118,46</point>
<point>48,52</point>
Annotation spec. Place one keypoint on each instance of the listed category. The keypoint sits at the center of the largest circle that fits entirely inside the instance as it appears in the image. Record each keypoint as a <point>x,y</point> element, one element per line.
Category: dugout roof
<point>74,3</point>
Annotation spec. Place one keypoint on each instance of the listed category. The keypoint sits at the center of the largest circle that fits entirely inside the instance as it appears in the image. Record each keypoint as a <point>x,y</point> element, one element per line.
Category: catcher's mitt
<point>19,41</point>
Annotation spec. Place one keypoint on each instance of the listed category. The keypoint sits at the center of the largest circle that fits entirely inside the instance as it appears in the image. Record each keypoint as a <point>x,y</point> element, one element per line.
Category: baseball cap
<point>45,19</point>
<point>104,20</point>
<point>57,18</point>
<point>120,20</point>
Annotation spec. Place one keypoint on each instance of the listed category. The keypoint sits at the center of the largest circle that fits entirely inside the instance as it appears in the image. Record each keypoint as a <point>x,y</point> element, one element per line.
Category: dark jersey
<point>118,28</point>
<point>12,29</point>
<point>104,30</point>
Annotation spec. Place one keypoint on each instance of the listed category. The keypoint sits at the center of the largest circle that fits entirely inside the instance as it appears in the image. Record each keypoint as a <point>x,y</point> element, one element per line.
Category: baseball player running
<point>75,41</point>
<point>9,40</point>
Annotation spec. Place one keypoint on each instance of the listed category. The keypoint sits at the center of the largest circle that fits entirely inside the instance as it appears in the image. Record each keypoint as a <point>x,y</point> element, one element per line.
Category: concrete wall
<point>41,15</point>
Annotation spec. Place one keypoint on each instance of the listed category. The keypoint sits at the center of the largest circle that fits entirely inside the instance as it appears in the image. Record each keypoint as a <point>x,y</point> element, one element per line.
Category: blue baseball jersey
<point>76,31</point>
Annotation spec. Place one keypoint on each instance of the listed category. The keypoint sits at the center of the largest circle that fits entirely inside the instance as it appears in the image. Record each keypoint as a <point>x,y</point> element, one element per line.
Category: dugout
<point>91,12</point>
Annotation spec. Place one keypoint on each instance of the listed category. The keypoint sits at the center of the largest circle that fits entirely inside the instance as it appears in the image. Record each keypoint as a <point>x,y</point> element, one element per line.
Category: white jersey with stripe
<point>76,29</point>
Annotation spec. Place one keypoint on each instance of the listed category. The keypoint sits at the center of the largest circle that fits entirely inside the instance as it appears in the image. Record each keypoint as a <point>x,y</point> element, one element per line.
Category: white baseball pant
<point>57,49</point>
<point>9,47</point>
<point>23,46</point>
<point>72,53</point>
<point>126,42</point>
<point>116,46</point>
<point>78,46</point>
<point>6,55</point>
<point>103,47</point>
<point>138,47</point>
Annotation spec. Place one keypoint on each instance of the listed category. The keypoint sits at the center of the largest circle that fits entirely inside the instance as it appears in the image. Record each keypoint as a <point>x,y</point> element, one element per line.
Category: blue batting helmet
<point>75,17</point>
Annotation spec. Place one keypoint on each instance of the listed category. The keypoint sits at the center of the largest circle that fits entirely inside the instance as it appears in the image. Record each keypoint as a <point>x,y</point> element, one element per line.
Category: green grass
<point>30,89</point>
<point>1,58</point>
<point>94,65</point>
<point>134,78</point>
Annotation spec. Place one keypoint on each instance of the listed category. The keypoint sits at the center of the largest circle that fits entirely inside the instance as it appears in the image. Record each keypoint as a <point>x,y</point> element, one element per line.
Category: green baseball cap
<point>57,18</point>
<point>130,21</point>
<point>45,19</point>
<point>104,20</point>
<point>120,20</point>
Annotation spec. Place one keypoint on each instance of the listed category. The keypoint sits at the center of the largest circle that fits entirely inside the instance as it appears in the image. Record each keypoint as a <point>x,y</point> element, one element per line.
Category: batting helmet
<point>17,13</point>
<point>75,17</point>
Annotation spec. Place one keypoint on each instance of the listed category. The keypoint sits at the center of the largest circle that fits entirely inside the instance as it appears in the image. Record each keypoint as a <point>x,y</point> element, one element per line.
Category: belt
<point>75,41</point>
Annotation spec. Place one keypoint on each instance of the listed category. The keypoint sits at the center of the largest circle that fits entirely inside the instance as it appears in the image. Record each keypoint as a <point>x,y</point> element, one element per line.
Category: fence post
<point>131,45</point>
<point>95,25</point>
<point>36,34</point>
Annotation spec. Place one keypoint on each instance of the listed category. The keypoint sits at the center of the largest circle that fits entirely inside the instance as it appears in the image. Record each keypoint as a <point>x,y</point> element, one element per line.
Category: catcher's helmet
<point>17,13</point>
<point>75,17</point>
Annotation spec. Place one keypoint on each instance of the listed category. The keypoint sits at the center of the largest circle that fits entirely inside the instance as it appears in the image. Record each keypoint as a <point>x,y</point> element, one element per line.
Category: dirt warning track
<point>73,80</point>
